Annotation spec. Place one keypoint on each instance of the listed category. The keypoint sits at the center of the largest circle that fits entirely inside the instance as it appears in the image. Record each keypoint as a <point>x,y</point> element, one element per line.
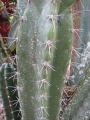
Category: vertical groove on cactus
<point>45,51</point>
<point>9,91</point>
<point>11,84</point>
<point>5,96</point>
<point>26,54</point>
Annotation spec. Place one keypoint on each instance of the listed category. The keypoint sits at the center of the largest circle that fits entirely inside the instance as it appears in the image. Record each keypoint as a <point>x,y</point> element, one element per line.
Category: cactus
<point>41,43</point>
<point>5,96</point>
<point>78,108</point>
<point>40,38</point>
<point>9,93</point>
<point>83,45</point>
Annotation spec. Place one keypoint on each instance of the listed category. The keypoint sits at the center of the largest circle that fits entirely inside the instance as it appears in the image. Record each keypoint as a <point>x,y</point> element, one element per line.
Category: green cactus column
<point>5,96</point>
<point>79,106</point>
<point>43,53</point>
<point>8,82</point>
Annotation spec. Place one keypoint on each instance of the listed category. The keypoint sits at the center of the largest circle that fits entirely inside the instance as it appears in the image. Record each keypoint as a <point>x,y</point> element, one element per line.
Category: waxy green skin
<point>65,4</point>
<point>38,60</point>
<point>78,107</point>
<point>8,83</point>
<point>7,108</point>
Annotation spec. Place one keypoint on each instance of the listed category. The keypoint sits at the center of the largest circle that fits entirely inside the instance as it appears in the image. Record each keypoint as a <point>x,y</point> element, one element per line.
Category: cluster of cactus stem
<point>35,78</point>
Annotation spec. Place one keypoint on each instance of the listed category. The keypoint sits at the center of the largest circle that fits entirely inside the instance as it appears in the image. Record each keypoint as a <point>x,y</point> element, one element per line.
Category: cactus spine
<point>43,45</point>
<point>5,96</point>
<point>79,106</point>
<point>45,51</point>
<point>8,79</point>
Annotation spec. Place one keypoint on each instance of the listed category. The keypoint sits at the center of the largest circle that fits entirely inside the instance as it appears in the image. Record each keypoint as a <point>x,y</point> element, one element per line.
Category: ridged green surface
<point>11,84</point>
<point>8,85</point>
<point>27,77</point>
<point>78,108</point>
<point>5,95</point>
<point>37,61</point>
